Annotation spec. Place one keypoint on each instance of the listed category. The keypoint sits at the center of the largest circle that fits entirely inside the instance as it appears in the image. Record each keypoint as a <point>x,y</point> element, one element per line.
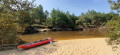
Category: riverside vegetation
<point>18,15</point>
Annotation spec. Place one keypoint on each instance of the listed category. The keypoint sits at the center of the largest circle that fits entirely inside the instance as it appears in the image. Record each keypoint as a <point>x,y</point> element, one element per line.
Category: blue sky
<point>75,6</point>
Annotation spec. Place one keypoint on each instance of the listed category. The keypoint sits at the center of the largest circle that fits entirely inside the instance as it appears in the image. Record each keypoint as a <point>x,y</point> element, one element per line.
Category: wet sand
<point>93,46</point>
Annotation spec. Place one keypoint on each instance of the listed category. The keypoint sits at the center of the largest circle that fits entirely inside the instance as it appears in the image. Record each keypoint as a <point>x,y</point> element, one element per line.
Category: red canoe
<point>34,44</point>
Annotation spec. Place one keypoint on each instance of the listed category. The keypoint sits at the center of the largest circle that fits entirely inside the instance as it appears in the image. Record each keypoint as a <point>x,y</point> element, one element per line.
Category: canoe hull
<point>25,46</point>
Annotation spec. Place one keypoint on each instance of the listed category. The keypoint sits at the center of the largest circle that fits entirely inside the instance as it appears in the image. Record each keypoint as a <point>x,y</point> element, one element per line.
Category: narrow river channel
<point>62,35</point>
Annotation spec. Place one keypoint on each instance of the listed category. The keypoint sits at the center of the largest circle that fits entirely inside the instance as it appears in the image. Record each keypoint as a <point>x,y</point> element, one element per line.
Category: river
<point>62,35</point>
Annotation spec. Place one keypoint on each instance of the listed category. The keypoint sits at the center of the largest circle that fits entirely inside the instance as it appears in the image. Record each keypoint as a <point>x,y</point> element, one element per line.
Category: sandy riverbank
<point>93,46</point>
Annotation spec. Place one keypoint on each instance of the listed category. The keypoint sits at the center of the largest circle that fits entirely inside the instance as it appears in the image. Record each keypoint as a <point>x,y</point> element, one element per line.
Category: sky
<point>75,6</point>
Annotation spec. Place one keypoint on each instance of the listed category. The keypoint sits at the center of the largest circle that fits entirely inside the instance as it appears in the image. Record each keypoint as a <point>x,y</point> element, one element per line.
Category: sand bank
<point>94,46</point>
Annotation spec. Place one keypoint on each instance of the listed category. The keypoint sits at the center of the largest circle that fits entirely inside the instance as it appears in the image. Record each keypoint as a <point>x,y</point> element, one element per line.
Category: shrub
<point>8,30</point>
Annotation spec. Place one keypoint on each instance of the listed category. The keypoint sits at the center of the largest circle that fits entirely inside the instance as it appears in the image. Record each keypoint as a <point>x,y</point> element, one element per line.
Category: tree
<point>73,19</point>
<point>46,14</point>
<point>115,5</point>
<point>114,24</point>
<point>94,19</point>
<point>61,19</point>
<point>13,14</point>
<point>38,15</point>
<point>24,7</point>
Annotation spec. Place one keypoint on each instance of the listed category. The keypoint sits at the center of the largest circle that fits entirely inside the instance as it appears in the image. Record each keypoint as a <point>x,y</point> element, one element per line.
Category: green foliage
<point>16,15</point>
<point>114,25</point>
<point>115,5</point>
<point>49,22</point>
<point>46,14</point>
<point>23,14</point>
<point>39,17</point>
<point>114,31</point>
<point>13,14</point>
<point>61,19</point>
<point>8,29</point>
<point>94,19</point>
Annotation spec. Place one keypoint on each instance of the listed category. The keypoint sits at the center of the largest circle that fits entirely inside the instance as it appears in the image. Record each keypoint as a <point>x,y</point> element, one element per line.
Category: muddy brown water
<point>62,35</point>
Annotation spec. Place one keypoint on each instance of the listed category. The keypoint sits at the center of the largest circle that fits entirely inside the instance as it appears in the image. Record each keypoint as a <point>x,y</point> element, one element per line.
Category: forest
<point>18,15</point>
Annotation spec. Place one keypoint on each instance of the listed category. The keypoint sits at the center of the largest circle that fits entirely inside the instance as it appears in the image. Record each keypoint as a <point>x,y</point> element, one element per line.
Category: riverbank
<point>93,46</point>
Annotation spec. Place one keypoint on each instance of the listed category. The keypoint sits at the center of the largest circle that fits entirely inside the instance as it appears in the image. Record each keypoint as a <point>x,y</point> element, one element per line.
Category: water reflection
<point>62,35</point>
